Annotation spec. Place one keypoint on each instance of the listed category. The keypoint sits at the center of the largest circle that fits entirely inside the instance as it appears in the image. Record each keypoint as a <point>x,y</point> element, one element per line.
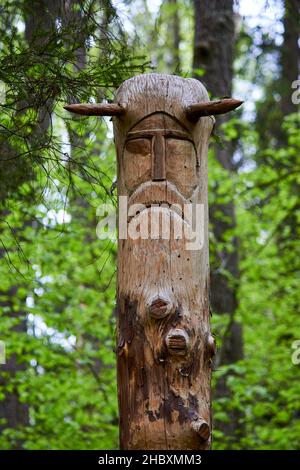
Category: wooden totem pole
<point>162,125</point>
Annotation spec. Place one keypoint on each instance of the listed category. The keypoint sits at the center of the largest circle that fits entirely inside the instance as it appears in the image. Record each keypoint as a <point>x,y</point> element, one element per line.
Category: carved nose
<point>158,158</point>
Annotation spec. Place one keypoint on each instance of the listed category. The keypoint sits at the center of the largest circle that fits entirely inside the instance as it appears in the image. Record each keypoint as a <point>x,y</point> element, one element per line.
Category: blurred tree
<point>173,25</point>
<point>289,55</point>
<point>277,102</point>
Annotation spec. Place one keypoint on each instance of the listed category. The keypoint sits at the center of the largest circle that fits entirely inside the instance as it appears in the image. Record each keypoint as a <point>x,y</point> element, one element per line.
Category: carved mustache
<point>158,192</point>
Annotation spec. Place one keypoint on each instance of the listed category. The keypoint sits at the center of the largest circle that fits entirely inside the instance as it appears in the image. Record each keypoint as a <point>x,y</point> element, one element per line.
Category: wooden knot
<point>201,427</point>
<point>160,308</point>
<point>177,341</point>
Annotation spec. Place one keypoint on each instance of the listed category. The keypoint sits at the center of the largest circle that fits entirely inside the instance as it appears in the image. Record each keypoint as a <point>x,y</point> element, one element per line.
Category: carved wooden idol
<point>162,125</point>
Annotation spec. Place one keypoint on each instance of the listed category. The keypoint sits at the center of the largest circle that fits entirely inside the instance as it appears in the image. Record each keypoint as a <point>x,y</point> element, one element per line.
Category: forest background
<point>58,279</point>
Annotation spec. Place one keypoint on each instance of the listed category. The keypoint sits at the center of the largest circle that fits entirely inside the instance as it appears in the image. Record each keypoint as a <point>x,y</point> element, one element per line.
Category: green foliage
<point>67,278</point>
<point>265,386</point>
<point>60,278</point>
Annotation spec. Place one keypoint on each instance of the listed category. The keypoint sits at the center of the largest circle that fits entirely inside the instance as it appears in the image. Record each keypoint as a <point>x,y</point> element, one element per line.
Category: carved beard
<point>162,287</point>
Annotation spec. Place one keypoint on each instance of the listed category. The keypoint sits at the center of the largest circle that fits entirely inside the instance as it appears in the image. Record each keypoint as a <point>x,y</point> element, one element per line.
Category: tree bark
<point>290,56</point>
<point>173,59</point>
<point>214,52</point>
<point>164,346</point>
<point>12,410</point>
<point>277,102</point>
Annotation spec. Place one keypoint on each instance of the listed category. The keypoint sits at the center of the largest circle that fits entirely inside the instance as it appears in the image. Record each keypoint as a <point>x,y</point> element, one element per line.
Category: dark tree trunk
<point>173,62</point>
<point>214,51</point>
<point>271,111</point>
<point>289,54</point>
<point>12,410</point>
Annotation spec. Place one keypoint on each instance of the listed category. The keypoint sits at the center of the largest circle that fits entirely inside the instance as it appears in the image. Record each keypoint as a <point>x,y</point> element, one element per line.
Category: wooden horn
<point>101,109</point>
<point>211,108</point>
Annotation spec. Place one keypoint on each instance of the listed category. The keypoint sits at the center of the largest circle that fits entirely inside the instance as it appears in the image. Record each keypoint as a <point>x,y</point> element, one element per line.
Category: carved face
<point>159,149</point>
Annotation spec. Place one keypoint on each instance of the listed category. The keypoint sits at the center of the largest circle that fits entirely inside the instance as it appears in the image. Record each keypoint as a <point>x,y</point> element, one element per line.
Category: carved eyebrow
<point>148,133</point>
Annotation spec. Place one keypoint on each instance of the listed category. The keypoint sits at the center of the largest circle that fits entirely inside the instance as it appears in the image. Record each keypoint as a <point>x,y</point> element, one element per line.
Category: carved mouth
<point>138,208</point>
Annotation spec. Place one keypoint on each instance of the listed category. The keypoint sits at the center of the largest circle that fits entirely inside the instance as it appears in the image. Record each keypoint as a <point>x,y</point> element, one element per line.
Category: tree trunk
<point>271,111</point>
<point>164,343</point>
<point>213,52</point>
<point>173,58</point>
<point>12,410</point>
<point>290,57</point>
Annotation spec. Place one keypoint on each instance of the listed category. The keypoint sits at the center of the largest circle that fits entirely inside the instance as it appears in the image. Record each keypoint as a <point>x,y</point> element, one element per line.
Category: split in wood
<point>201,427</point>
<point>177,341</point>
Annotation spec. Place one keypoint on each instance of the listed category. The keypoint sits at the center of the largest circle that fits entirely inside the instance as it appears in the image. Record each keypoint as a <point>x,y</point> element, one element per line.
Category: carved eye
<point>138,146</point>
<point>181,165</point>
<point>137,162</point>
